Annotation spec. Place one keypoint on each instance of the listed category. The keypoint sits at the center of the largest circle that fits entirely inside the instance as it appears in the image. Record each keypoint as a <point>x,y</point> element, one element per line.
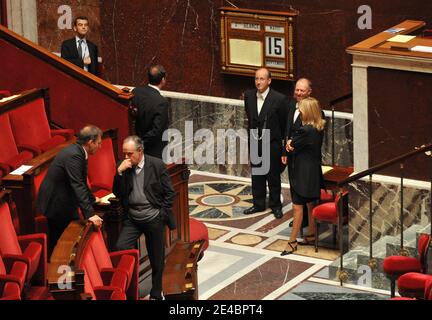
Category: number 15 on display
<point>275,47</point>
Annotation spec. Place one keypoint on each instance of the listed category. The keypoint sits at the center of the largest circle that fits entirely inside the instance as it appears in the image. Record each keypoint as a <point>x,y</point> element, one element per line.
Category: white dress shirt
<point>140,166</point>
<point>296,113</point>
<point>85,152</point>
<point>261,98</point>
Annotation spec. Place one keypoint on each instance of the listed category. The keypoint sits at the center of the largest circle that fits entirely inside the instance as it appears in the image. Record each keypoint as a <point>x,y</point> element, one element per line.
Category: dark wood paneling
<point>400,117</point>
<point>3,13</point>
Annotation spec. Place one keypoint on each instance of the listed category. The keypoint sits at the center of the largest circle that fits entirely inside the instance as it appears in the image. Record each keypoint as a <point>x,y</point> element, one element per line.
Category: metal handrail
<point>427,149</point>
<point>384,165</point>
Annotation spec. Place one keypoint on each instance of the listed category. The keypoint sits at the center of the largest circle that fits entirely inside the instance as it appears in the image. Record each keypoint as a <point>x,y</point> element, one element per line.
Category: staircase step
<point>394,250</point>
<point>356,260</point>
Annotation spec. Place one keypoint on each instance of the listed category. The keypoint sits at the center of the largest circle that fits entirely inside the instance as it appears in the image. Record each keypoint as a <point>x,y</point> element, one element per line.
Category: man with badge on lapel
<point>266,109</point>
<point>80,51</point>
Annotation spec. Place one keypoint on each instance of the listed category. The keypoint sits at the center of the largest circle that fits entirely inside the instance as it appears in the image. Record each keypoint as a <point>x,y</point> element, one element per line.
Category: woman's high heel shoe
<point>293,248</point>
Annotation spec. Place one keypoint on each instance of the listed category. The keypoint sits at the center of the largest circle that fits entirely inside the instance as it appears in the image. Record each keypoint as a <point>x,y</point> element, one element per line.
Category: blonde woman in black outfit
<point>304,168</point>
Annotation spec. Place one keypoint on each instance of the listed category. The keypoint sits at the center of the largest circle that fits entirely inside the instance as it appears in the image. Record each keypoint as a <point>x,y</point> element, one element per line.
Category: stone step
<point>356,260</point>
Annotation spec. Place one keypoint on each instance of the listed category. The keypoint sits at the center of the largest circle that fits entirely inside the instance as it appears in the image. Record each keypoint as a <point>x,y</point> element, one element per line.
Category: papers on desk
<point>326,169</point>
<point>105,200</point>
<point>19,171</point>
<point>9,98</point>
<point>422,49</point>
<point>401,38</point>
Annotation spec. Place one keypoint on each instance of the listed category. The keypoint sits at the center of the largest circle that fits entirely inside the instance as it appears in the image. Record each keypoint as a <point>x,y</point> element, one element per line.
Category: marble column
<point>360,115</point>
<point>22,18</point>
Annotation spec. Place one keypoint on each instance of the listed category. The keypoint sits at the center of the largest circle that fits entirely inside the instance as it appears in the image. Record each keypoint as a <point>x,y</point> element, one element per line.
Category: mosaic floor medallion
<point>221,200</point>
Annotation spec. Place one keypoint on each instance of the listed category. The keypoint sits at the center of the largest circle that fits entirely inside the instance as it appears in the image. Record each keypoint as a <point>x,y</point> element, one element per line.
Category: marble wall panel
<point>386,210</point>
<point>343,142</point>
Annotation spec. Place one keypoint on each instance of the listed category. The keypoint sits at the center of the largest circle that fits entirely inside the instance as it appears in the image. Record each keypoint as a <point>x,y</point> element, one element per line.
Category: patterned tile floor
<point>243,260</point>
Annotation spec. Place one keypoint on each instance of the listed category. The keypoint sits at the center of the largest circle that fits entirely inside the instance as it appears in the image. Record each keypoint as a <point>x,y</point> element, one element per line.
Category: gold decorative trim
<point>223,44</point>
<point>373,264</point>
<point>291,48</point>
<point>254,16</point>
<point>188,285</point>
<point>342,275</point>
<point>189,265</point>
<point>403,252</point>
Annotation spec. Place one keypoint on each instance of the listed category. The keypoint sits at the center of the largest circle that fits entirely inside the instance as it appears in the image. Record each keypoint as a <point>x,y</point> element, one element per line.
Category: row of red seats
<point>109,276</point>
<point>409,272</point>
<point>23,259</point>
<point>26,133</point>
<point>23,263</point>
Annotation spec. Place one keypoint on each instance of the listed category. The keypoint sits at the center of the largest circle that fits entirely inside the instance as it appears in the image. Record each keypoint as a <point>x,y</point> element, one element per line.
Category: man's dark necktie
<point>80,48</point>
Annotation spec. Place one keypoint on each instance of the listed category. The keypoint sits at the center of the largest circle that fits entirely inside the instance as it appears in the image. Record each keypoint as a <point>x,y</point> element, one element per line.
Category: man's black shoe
<point>277,213</point>
<point>252,210</point>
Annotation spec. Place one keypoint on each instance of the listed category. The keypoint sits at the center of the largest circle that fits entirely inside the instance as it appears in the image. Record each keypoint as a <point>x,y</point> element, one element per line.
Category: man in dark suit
<point>302,90</point>
<point>266,109</point>
<point>64,188</point>
<point>144,187</point>
<point>152,118</point>
<point>80,51</point>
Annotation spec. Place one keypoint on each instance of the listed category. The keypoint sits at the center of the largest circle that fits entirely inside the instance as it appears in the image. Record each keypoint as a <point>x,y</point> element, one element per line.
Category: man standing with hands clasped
<point>80,51</point>
<point>266,109</point>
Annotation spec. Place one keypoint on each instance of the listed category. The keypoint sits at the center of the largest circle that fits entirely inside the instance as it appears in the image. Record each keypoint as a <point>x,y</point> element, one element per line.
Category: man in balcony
<point>152,118</point>
<point>80,51</point>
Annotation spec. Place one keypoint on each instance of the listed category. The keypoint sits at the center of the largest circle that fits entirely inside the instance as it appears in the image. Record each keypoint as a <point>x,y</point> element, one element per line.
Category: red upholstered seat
<point>328,212</point>
<point>399,265</point>
<point>102,168</point>
<point>198,231</point>
<point>326,196</point>
<point>30,249</point>
<point>101,286</point>
<point>41,223</point>
<point>10,157</point>
<point>12,278</point>
<point>413,284</point>
<point>9,290</point>
<point>31,128</point>
<point>127,261</point>
<point>325,212</point>
<point>395,266</point>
